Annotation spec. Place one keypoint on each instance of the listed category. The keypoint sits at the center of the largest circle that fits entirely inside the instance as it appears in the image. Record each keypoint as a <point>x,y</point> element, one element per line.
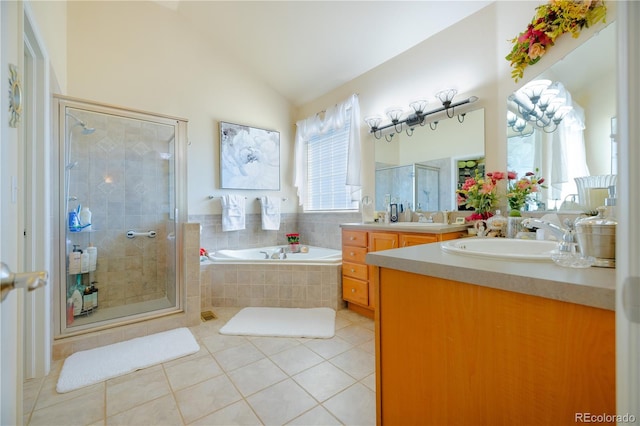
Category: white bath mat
<point>283,322</point>
<point>92,366</point>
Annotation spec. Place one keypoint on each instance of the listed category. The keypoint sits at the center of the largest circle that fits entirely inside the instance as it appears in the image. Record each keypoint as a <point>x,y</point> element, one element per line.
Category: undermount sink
<point>502,248</point>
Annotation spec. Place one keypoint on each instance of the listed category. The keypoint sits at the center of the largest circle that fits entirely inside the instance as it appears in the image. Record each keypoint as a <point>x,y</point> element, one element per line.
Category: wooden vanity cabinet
<point>359,283</point>
<point>450,353</point>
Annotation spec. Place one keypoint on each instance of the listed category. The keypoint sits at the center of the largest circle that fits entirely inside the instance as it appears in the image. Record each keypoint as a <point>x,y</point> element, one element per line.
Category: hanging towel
<point>233,212</point>
<point>270,213</point>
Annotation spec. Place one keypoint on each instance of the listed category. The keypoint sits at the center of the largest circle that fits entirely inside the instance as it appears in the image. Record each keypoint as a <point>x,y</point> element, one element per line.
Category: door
<point>10,308</point>
<point>628,233</point>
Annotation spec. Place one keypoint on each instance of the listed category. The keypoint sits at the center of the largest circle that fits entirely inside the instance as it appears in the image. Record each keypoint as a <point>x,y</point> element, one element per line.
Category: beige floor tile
<point>357,363</point>
<point>323,380</point>
<point>219,342</point>
<point>85,409</point>
<point>204,398</point>
<point>317,416</point>
<point>256,376</point>
<point>355,334</point>
<point>49,396</point>
<point>296,359</point>
<point>124,393</point>
<point>192,371</point>
<point>370,381</point>
<point>202,352</point>
<point>238,413</point>
<point>30,391</point>
<point>369,347</point>
<point>328,348</point>
<point>238,356</point>
<point>354,406</point>
<point>272,345</point>
<point>281,402</point>
<point>159,412</point>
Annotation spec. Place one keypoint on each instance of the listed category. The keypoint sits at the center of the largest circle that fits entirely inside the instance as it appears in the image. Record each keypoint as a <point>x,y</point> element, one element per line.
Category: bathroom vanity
<point>358,279</point>
<point>469,340</point>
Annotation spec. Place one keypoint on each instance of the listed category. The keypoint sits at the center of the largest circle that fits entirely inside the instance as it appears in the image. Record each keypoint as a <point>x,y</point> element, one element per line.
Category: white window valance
<point>334,118</point>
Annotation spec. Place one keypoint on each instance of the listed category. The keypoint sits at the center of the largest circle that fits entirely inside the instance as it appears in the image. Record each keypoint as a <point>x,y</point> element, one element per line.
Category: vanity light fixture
<point>417,116</point>
<point>540,103</point>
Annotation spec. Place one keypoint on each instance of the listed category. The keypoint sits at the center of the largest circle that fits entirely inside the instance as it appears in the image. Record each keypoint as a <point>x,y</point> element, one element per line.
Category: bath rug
<point>283,322</point>
<point>92,366</point>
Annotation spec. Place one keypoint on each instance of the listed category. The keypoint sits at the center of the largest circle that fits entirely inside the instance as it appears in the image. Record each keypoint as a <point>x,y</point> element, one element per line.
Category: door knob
<point>26,280</point>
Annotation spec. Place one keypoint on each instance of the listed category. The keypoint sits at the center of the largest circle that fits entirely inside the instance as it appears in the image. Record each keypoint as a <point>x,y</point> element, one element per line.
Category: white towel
<point>233,212</point>
<point>270,213</point>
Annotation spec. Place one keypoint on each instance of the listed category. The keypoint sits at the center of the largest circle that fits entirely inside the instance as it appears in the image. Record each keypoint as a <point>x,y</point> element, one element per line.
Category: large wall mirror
<point>581,145</point>
<point>423,170</point>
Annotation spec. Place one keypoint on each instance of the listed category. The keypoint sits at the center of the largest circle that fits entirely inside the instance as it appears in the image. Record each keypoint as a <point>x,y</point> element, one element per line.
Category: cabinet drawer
<point>354,254</point>
<point>355,270</point>
<point>355,291</point>
<point>407,240</point>
<point>354,238</point>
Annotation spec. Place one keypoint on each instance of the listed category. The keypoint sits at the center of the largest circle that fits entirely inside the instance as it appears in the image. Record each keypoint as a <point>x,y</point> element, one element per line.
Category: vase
<point>294,247</point>
<point>514,225</point>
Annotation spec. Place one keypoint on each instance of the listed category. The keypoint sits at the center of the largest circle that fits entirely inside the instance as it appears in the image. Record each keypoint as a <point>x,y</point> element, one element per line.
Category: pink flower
<point>512,175</point>
<point>497,175</point>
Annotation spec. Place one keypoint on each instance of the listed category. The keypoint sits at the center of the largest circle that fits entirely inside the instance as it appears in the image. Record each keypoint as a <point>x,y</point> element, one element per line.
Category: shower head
<point>71,165</point>
<point>85,130</point>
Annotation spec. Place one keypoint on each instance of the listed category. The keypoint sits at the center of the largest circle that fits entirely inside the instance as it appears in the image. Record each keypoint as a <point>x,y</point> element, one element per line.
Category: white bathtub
<point>315,255</point>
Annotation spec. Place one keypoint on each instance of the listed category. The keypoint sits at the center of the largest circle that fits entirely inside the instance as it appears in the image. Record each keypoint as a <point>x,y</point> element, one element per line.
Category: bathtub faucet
<point>266,255</point>
<point>280,254</point>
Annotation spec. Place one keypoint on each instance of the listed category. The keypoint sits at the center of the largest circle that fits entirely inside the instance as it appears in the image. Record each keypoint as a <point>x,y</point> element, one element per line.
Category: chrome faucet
<point>280,254</point>
<point>565,236</point>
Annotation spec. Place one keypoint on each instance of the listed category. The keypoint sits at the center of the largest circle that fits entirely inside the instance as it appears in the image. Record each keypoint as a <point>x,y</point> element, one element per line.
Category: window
<point>327,171</point>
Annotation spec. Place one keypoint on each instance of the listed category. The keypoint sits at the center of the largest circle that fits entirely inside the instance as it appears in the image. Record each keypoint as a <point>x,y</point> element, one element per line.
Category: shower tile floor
<point>232,380</point>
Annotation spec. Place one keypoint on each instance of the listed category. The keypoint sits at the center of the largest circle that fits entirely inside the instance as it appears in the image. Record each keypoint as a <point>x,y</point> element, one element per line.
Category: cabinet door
<point>407,240</point>
<point>382,241</point>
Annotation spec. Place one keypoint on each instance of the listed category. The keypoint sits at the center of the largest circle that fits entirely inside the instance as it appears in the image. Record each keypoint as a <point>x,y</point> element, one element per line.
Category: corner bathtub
<point>243,278</point>
<point>315,255</point>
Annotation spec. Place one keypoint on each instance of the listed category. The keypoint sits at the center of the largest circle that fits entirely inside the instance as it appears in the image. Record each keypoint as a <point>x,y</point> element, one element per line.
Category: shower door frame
<point>180,214</point>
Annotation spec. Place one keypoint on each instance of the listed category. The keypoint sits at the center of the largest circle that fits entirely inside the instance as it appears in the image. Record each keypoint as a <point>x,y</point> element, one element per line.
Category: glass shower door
<point>119,226</point>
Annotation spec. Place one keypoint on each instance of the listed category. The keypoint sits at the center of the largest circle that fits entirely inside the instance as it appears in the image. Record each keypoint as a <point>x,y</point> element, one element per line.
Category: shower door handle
<point>26,280</point>
<point>133,234</point>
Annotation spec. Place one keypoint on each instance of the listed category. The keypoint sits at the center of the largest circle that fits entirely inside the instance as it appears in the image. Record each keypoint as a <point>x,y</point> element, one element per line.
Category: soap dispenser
<point>75,261</point>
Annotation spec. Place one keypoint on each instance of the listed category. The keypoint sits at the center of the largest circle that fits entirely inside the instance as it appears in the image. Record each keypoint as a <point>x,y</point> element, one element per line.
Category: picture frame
<point>249,157</point>
<point>460,220</point>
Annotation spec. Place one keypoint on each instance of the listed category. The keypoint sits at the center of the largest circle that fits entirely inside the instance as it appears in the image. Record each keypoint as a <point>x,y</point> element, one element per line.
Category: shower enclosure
<point>121,199</point>
<point>414,185</point>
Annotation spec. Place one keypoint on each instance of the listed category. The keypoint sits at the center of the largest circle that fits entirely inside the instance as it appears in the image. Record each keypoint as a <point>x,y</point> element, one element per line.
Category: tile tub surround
<point>271,285</point>
<point>66,346</point>
<point>316,229</point>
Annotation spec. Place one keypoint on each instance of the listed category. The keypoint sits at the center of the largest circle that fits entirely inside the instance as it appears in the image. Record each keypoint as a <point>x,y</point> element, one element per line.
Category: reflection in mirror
<point>579,145</point>
<point>423,170</point>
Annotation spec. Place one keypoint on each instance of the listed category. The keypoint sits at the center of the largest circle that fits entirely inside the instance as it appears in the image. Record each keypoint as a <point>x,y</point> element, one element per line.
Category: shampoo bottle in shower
<point>94,292</point>
<point>75,260</point>
<point>93,257</point>
<point>84,262</point>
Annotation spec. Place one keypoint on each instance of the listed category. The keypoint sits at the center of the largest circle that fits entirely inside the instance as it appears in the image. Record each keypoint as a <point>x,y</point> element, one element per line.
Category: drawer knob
<point>352,238</point>
<point>352,254</point>
<point>353,290</point>
<point>353,270</point>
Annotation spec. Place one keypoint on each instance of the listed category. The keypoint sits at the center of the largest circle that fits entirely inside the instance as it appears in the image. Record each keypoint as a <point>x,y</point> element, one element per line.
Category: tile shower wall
<point>123,177</point>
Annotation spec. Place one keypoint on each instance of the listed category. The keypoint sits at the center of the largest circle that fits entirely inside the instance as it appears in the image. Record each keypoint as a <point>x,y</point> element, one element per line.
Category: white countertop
<point>589,286</point>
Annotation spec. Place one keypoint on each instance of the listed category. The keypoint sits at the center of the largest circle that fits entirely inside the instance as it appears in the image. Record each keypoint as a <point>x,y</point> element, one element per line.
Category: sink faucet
<point>565,236</point>
<point>280,254</point>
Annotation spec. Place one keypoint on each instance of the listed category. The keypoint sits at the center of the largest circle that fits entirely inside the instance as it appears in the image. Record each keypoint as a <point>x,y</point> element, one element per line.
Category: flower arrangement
<point>551,21</point>
<point>520,190</point>
<point>480,193</point>
<point>293,238</point>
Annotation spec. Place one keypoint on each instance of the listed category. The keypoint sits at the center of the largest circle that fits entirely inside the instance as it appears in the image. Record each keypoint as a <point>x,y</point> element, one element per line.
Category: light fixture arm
<point>418,118</point>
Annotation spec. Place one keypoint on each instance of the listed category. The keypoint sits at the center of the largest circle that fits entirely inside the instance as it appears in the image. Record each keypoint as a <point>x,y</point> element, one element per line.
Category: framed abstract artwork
<point>249,157</point>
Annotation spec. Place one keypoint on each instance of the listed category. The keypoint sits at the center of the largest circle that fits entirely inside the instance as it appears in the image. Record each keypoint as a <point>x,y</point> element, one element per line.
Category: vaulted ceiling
<point>304,49</point>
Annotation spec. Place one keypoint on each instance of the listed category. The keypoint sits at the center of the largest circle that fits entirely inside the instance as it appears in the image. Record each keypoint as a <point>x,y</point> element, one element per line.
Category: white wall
<point>51,21</point>
<point>143,56</point>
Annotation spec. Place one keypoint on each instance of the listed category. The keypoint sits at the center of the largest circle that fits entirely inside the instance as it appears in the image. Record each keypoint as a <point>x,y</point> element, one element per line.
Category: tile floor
<point>232,380</point>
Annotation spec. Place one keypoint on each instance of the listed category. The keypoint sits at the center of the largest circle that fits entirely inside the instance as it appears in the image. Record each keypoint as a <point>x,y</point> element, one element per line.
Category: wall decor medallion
<point>551,21</point>
<point>15,96</point>
<point>249,157</point>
